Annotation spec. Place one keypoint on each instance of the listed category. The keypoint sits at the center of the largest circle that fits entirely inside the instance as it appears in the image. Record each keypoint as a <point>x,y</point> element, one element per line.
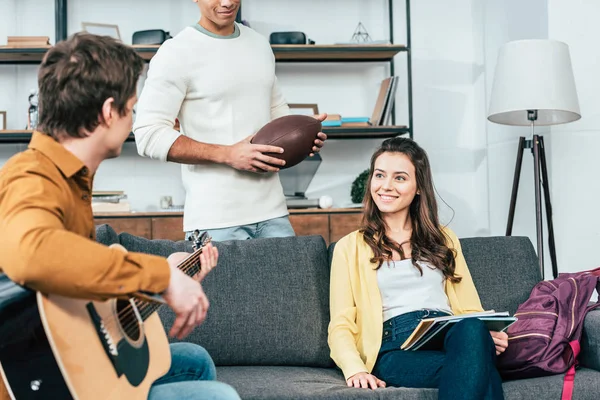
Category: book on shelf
<point>110,201</point>
<point>430,333</point>
<point>27,41</point>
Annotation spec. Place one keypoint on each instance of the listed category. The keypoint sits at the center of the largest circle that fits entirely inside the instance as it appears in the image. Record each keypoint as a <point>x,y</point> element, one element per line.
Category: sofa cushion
<point>590,341</point>
<point>269,300</point>
<point>504,270</point>
<point>158,247</point>
<point>587,386</point>
<point>281,383</point>
<point>106,235</point>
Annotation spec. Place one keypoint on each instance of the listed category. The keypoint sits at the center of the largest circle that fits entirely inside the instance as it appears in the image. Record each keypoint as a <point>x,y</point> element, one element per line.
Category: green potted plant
<point>357,192</point>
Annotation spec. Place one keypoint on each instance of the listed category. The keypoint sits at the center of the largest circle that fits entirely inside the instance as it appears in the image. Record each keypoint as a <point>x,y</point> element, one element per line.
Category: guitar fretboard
<point>190,266</point>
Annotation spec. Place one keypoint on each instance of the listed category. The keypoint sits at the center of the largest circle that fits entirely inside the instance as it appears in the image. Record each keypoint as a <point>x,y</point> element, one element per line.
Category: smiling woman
<point>403,266</point>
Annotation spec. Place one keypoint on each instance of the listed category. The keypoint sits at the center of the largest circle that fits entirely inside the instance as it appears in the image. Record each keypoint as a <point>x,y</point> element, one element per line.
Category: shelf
<point>12,55</point>
<point>283,53</point>
<point>354,132</point>
<point>365,132</point>
<point>336,53</point>
<point>15,136</point>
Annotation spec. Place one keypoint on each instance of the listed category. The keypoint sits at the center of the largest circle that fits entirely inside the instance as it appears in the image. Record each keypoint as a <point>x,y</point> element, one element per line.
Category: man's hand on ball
<point>321,137</point>
<point>246,156</point>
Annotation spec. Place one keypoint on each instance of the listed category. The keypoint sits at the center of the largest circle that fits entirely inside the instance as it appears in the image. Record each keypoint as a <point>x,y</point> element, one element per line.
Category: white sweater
<point>221,90</point>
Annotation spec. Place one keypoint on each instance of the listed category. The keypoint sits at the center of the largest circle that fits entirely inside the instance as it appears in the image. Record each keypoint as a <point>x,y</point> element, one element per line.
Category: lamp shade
<point>534,75</point>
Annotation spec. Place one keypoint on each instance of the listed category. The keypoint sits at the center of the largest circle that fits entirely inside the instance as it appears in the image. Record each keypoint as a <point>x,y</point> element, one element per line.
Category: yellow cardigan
<point>356,311</point>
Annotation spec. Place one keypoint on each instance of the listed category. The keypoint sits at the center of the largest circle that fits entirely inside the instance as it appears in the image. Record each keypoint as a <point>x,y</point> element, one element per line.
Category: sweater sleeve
<point>463,294</point>
<point>159,104</point>
<point>343,330</point>
<point>279,106</point>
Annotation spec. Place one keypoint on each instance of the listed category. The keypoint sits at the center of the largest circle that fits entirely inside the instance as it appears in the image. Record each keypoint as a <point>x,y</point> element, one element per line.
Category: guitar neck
<point>190,266</point>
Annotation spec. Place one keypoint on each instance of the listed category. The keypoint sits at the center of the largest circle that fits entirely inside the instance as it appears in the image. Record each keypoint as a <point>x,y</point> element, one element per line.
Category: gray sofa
<point>267,324</point>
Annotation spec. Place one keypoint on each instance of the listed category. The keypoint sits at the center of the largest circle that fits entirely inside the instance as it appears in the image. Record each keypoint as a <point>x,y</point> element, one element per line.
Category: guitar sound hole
<point>129,323</point>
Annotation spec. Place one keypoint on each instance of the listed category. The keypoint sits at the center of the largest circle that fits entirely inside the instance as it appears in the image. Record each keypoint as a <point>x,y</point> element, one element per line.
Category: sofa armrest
<point>590,341</point>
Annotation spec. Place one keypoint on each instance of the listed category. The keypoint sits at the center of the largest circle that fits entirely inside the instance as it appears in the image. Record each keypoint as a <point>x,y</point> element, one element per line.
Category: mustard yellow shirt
<point>356,310</point>
<point>47,230</point>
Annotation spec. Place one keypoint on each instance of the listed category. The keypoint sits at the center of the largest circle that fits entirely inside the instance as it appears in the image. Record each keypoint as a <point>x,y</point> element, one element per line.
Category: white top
<point>222,90</point>
<point>403,289</point>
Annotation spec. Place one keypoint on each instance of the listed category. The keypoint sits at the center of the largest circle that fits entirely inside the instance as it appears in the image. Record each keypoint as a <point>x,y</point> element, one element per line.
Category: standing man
<point>218,78</point>
<point>87,90</point>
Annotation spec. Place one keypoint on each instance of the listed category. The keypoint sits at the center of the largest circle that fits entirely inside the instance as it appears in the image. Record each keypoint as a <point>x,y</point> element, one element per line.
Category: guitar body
<point>55,347</point>
<point>86,350</point>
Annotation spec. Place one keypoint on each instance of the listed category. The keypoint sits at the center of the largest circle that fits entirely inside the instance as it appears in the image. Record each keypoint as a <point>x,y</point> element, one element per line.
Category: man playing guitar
<point>87,90</point>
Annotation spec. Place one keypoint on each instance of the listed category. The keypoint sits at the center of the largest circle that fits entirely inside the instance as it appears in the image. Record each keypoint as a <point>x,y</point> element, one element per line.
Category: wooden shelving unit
<point>352,53</point>
<point>370,132</point>
<point>283,53</point>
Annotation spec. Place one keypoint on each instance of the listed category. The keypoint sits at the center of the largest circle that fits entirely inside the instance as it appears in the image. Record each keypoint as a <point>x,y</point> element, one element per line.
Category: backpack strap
<point>569,382</point>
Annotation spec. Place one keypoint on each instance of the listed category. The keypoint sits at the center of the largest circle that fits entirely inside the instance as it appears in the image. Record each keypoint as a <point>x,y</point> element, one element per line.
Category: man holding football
<point>218,78</point>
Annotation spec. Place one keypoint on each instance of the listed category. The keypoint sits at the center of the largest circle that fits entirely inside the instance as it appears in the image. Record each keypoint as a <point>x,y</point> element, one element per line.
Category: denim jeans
<point>465,368</point>
<point>191,376</point>
<point>276,227</point>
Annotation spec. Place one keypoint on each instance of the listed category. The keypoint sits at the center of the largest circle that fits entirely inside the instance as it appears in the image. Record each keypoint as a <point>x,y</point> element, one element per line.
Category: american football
<point>295,134</point>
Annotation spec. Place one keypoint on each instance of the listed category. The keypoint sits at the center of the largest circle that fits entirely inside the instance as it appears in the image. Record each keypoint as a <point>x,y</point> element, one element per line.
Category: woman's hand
<point>364,380</point>
<point>500,340</point>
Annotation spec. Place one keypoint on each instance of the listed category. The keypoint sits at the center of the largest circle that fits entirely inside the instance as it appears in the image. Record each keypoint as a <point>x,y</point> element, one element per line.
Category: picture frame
<point>102,29</point>
<point>304,108</point>
<point>2,120</point>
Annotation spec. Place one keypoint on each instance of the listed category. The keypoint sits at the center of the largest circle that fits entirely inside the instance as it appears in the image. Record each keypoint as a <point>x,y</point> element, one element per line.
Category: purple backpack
<point>545,338</point>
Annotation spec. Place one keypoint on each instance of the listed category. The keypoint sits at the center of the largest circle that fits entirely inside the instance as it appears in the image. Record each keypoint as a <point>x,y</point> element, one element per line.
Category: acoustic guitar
<point>54,347</point>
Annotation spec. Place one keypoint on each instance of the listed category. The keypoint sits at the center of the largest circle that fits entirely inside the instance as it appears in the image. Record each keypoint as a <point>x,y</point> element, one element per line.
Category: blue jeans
<point>192,376</point>
<point>465,368</point>
<point>276,227</point>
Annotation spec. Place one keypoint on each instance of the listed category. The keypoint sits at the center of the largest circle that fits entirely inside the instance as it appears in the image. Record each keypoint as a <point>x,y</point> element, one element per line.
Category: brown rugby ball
<point>296,134</point>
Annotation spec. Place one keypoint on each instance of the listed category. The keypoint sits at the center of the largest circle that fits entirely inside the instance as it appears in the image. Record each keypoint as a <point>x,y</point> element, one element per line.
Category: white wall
<point>574,147</point>
<point>506,21</point>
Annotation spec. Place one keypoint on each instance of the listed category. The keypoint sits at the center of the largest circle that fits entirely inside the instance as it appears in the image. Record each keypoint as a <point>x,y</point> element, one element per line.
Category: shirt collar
<point>66,161</point>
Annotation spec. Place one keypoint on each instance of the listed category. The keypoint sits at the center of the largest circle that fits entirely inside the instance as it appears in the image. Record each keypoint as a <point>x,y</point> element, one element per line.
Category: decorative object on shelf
<point>32,112</point>
<point>27,42</point>
<point>289,38</point>
<point>360,34</point>
<point>325,202</point>
<point>534,85</point>
<point>2,120</point>
<point>102,29</point>
<point>357,192</point>
<point>166,202</point>
<point>301,109</point>
<point>150,37</point>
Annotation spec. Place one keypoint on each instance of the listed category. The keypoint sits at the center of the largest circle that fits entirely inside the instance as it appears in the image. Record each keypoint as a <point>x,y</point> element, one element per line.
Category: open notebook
<point>430,333</point>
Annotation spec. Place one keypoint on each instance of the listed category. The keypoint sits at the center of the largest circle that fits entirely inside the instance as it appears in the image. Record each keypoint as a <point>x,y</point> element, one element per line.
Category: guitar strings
<point>192,261</point>
<point>129,312</point>
<point>186,266</point>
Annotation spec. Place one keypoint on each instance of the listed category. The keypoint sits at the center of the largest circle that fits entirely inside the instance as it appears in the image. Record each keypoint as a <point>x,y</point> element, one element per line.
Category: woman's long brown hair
<point>428,241</point>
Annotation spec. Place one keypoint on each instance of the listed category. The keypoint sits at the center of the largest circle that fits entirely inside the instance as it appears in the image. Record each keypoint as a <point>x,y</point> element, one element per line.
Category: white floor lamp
<point>534,85</point>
